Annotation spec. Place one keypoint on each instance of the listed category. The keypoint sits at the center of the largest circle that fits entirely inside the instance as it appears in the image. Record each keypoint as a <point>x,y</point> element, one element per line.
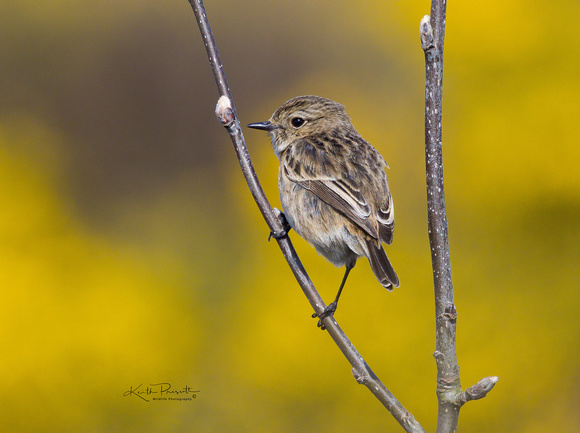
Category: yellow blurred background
<point>132,253</point>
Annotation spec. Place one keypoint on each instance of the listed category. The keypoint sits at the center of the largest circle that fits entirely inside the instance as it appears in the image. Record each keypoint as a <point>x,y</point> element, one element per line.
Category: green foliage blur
<point>131,251</point>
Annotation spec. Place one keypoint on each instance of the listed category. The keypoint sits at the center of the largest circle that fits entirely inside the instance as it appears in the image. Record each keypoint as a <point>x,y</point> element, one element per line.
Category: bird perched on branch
<point>333,186</point>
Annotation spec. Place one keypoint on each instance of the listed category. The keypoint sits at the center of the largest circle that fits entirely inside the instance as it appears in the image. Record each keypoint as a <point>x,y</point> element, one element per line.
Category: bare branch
<point>450,397</point>
<point>448,381</point>
<point>226,114</point>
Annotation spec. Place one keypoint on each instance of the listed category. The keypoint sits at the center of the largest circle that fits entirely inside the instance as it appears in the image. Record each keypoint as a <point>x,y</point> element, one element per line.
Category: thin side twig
<point>449,394</point>
<point>226,114</point>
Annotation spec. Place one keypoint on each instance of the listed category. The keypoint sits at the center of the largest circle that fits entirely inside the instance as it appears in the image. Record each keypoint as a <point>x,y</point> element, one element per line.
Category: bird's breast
<point>318,223</point>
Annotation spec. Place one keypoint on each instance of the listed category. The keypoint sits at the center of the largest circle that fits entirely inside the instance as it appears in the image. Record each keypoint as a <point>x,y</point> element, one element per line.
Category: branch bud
<point>224,112</point>
<point>426,32</point>
<point>477,391</point>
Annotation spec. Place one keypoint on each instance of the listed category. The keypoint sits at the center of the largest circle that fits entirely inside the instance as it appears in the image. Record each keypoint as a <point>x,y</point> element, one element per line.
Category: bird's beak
<point>264,126</point>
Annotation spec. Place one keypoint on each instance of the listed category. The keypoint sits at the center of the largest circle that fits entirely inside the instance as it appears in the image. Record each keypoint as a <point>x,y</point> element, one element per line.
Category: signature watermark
<point>161,392</point>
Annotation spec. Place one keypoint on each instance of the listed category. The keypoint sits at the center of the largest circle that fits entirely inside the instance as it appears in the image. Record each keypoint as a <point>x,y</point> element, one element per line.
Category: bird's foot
<point>328,311</point>
<point>285,226</point>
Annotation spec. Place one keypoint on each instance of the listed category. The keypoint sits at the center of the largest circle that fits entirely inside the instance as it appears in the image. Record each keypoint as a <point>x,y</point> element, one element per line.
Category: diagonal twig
<point>226,113</point>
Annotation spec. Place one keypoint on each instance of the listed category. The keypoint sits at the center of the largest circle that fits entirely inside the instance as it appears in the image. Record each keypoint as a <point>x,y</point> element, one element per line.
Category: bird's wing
<point>341,195</point>
<point>386,219</point>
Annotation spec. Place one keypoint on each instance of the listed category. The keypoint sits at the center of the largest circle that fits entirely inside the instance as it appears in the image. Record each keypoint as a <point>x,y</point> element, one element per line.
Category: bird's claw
<point>277,235</point>
<point>285,226</point>
<point>328,311</point>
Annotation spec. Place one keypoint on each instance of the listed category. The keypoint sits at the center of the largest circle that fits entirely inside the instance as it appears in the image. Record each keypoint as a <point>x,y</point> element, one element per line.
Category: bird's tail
<point>380,265</point>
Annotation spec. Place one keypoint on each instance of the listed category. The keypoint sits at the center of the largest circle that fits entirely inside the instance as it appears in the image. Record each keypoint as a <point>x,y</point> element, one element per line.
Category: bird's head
<point>303,117</point>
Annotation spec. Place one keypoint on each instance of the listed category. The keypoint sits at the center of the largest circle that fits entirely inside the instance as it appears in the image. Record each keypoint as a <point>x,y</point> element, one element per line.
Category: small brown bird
<point>333,186</point>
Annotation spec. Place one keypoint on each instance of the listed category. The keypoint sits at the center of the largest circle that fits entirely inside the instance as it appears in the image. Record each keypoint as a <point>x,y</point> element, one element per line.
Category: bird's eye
<point>297,122</point>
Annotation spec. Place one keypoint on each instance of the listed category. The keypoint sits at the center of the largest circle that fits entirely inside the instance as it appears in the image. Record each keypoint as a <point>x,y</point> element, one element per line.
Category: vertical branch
<point>449,394</point>
<point>448,382</point>
<point>226,114</point>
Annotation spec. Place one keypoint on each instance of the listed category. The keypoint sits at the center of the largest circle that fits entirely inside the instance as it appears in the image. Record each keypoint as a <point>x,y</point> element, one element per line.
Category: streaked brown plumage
<point>333,185</point>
